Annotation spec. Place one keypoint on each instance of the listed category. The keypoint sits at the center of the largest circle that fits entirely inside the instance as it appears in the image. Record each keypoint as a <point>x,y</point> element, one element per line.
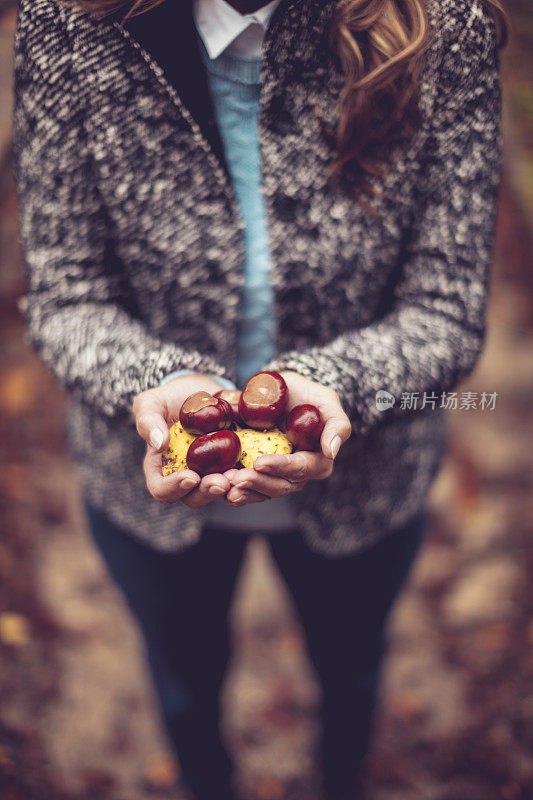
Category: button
<point>276,104</point>
<point>281,120</point>
<point>285,207</point>
<point>283,123</point>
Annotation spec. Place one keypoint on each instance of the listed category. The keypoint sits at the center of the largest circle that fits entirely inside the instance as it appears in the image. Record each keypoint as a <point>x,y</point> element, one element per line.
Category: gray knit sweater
<point>134,252</point>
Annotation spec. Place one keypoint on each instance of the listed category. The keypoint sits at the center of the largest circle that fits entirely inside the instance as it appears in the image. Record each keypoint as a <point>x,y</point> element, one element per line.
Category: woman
<point>208,189</point>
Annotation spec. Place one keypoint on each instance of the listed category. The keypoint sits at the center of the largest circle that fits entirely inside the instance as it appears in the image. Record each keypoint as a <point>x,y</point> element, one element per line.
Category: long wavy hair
<point>380,45</point>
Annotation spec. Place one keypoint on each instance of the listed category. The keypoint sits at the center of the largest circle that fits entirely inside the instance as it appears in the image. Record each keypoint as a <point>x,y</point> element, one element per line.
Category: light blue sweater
<point>235,86</point>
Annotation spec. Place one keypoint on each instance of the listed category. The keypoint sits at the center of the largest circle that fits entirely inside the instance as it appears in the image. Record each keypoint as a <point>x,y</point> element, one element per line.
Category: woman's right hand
<point>153,410</point>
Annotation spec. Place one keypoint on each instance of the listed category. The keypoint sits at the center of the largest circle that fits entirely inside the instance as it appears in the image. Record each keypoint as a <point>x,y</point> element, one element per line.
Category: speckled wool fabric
<point>134,252</point>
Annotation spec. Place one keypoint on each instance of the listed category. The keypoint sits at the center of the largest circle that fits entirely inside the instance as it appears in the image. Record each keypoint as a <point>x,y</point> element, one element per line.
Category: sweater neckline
<point>243,69</point>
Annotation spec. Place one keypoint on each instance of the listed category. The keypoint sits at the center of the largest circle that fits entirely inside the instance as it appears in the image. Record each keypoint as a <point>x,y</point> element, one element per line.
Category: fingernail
<point>239,500</point>
<point>156,438</point>
<point>335,445</point>
<point>188,483</point>
<point>217,490</point>
<point>243,485</point>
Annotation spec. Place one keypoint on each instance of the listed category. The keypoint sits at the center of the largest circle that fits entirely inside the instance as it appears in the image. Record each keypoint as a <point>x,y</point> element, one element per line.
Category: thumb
<point>336,431</point>
<point>150,423</point>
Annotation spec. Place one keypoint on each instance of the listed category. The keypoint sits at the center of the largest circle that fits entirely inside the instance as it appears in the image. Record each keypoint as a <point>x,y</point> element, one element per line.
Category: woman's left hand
<point>278,475</point>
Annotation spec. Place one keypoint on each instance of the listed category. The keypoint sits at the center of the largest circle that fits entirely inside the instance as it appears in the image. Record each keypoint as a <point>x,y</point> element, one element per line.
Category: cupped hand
<point>154,410</point>
<point>279,475</point>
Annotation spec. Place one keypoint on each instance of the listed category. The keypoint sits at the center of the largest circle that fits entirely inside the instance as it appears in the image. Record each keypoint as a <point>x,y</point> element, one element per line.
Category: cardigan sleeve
<point>434,330</point>
<point>76,312</point>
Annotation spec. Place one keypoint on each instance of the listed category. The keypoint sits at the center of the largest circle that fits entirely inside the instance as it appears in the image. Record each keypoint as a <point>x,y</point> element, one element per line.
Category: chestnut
<point>231,396</point>
<point>214,452</point>
<point>202,412</point>
<point>263,400</point>
<point>304,426</point>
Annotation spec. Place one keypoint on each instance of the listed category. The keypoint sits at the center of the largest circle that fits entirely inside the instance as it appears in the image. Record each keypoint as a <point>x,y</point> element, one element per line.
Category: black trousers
<point>181,602</point>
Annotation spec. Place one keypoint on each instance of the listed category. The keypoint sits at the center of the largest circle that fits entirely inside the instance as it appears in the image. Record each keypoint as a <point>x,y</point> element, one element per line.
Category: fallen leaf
<point>290,643</point>
<point>14,479</point>
<point>268,789</point>
<point>5,760</point>
<point>493,637</point>
<point>530,632</point>
<point>17,390</point>
<point>407,706</point>
<point>14,629</point>
<point>98,781</point>
<point>511,791</point>
<point>161,771</point>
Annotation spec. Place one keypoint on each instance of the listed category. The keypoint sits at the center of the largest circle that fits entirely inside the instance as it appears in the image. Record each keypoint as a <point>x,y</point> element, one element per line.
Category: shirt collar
<point>219,24</point>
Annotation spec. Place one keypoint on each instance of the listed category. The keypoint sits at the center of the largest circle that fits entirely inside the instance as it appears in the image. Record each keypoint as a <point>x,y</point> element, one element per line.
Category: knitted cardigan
<point>134,250</point>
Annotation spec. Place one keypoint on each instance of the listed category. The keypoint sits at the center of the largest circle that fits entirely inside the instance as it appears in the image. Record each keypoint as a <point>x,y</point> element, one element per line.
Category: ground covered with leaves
<point>77,718</point>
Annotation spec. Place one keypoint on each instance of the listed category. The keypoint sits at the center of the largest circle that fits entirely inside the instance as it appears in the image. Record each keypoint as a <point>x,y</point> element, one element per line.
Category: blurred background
<point>77,719</point>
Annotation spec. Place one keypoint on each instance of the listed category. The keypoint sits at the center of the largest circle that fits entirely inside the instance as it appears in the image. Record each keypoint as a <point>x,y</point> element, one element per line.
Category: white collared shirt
<point>222,27</point>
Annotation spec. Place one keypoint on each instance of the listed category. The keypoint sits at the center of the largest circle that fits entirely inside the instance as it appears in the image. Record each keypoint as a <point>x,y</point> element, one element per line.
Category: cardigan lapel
<point>168,34</point>
<point>295,29</point>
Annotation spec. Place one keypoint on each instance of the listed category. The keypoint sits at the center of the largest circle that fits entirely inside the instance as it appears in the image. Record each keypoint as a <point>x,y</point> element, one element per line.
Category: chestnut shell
<point>304,426</point>
<point>263,401</point>
<point>231,396</point>
<point>214,452</point>
<point>214,415</point>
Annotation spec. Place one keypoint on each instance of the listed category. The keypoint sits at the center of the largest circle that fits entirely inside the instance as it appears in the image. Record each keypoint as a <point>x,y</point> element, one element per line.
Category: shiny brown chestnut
<point>214,452</point>
<point>304,426</point>
<point>202,413</point>
<point>263,400</point>
<point>231,396</point>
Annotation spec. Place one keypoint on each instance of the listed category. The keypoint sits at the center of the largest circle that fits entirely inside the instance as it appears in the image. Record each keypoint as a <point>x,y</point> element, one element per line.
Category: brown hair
<point>380,45</point>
